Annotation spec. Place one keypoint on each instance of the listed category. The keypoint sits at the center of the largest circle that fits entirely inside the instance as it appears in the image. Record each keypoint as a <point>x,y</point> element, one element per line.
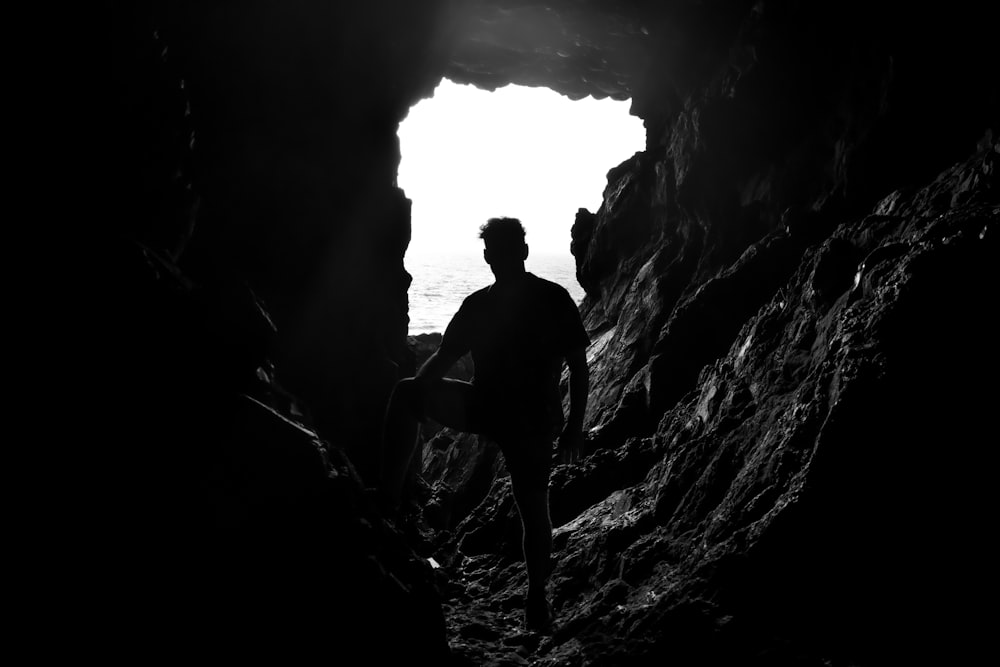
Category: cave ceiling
<point>576,48</point>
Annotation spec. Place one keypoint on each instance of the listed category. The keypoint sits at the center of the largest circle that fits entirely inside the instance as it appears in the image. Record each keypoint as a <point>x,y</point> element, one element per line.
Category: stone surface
<point>790,292</point>
<point>596,50</point>
<point>804,473</point>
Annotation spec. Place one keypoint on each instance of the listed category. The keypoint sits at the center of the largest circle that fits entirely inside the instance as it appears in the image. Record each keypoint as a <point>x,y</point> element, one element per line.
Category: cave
<point>788,294</point>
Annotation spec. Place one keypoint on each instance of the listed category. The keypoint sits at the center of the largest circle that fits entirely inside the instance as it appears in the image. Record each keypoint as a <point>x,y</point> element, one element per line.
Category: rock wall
<point>788,293</point>
<point>794,505</point>
<point>776,289</point>
<point>804,116</point>
<point>246,295</point>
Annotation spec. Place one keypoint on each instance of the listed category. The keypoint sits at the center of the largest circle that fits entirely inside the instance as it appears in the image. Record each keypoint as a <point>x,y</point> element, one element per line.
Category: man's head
<point>505,247</point>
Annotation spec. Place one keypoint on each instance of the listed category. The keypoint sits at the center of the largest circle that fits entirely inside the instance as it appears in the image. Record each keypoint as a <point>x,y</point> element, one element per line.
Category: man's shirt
<point>519,334</point>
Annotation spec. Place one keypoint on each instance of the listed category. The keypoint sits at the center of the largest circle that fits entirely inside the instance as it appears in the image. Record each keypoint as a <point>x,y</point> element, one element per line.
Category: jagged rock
<point>576,51</point>
<point>792,366</point>
<point>461,467</point>
<point>580,235</point>
<point>757,518</point>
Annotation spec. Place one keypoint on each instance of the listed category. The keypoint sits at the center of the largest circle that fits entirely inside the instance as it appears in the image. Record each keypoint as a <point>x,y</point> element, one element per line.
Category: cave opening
<point>469,154</point>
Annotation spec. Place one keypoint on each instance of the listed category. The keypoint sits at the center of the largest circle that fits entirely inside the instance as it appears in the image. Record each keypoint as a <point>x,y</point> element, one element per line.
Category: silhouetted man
<point>519,330</point>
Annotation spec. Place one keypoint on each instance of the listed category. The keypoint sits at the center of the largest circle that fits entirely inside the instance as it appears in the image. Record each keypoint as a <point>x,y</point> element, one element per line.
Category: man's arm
<point>437,365</point>
<point>454,343</point>
<point>571,440</point>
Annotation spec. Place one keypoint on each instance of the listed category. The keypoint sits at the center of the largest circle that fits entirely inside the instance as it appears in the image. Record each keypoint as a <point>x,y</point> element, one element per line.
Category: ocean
<point>442,279</point>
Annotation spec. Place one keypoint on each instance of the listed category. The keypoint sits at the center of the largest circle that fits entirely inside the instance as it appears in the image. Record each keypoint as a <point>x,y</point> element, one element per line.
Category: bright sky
<point>529,153</point>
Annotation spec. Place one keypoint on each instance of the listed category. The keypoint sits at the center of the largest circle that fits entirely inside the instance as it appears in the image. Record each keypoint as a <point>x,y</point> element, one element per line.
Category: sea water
<point>442,279</point>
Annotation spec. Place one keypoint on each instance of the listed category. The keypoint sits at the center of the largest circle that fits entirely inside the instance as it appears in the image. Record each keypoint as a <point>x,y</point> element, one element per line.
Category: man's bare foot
<point>537,614</point>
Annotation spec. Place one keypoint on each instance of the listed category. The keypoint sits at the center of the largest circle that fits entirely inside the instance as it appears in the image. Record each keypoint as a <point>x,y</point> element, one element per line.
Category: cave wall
<point>298,105</point>
<point>254,297</point>
<point>247,274</point>
<point>288,113</point>
<point>760,117</point>
<point>773,437</point>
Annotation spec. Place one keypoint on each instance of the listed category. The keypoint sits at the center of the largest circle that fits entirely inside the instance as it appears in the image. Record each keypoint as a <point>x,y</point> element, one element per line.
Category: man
<point>519,330</point>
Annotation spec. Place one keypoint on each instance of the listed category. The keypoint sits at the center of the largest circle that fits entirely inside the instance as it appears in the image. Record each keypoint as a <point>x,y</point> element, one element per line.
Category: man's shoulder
<point>467,319</point>
<point>557,300</point>
<point>479,294</point>
<point>476,299</point>
<point>547,287</point>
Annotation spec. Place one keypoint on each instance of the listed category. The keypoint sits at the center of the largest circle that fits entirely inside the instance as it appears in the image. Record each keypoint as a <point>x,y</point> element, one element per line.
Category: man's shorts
<point>524,432</point>
<point>525,440</point>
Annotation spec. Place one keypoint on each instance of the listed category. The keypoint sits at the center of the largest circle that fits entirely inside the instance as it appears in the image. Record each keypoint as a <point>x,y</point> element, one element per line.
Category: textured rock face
<point>789,293</point>
<point>222,517</point>
<point>752,139</point>
<point>577,50</point>
<point>786,508</point>
<point>759,283</point>
<point>249,295</point>
<point>295,107</point>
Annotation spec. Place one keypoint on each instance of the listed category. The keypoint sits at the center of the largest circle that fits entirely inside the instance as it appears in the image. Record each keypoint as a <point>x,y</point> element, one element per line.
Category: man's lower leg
<point>537,547</point>
<point>533,507</point>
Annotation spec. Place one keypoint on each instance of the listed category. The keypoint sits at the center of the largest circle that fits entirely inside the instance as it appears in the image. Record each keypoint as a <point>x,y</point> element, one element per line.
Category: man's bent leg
<point>399,438</point>
<point>446,401</point>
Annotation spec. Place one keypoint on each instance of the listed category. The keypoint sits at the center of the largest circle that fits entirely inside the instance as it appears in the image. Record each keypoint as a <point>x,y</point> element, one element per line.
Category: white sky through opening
<point>529,153</point>
<point>468,155</point>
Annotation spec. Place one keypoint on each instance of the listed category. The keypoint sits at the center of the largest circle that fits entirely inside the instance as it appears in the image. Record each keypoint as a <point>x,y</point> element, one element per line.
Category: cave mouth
<point>468,154</point>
